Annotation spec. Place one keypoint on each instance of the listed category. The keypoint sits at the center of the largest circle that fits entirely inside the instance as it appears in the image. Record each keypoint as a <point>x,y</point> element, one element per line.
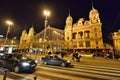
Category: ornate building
<point>54,39</point>
<point>27,39</point>
<point>116,40</point>
<point>84,34</point>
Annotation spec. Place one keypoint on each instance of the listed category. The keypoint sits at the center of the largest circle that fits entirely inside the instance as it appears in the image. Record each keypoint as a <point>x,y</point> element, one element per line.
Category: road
<point>77,72</point>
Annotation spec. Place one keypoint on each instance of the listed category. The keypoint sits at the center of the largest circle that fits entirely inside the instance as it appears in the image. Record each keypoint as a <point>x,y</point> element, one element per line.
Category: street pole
<point>8,30</point>
<point>46,13</point>
<point>45,28</point>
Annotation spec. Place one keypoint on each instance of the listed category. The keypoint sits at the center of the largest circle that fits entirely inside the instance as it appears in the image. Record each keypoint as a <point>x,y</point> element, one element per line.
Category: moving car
<point>17,62</point>
<point>54,60</point>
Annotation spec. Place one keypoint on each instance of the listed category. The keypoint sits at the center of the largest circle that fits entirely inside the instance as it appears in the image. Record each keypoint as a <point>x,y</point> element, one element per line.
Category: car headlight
<point>68,61</point>
<point>25,64</point>
<point>1,54</point>
<point>36,61</point>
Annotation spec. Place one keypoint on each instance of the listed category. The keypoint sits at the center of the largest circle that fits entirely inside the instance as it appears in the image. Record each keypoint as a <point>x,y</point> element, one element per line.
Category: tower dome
<point>69,19</point>
<point>31,31</point>
<point>24,32</point>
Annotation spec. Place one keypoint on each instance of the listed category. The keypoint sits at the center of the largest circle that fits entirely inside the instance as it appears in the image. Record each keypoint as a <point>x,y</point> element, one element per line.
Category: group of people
<point>76,56</point>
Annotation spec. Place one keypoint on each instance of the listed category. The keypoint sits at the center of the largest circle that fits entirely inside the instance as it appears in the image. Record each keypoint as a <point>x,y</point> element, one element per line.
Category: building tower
<point>30,39</point>
<point>68,32</point>
<point>96,26</point>
<point>26,40</point>
<point>23,39</point>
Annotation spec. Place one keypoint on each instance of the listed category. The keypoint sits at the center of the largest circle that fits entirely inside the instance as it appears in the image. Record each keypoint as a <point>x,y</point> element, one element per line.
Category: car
<point>54,60</point>
<point>17,62</point>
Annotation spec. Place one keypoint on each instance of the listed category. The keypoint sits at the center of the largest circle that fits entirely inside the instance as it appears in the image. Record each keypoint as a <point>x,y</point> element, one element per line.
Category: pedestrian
<point>62,54</point>
<point>77,56</point>
<point>73,56</point>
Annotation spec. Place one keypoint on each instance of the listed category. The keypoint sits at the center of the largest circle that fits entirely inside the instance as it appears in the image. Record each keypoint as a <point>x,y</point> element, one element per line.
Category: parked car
<point>17,62</point>
<point>54,60</point>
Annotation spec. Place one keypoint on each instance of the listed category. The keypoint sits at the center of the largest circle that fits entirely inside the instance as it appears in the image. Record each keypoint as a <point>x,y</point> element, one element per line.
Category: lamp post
<point>46,13</point>
<point>8,30</point>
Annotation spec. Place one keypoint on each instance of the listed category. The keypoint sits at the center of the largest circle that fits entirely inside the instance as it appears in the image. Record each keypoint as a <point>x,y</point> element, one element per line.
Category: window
<point>67,38</point>
<point>96,35</point>
<point>74,45</point>
<point>74,35</point>
<point>80,35</point>
<point>96,42</point>
<point>87,34</point>
<point>95,29</point>
<point>80,44</point>
<point>87,43</point>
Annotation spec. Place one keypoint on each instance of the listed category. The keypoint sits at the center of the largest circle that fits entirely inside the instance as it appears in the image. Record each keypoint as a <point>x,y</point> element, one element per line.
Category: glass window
<point>87,43</point>
<point>80,44</point>
<point>74,35</point>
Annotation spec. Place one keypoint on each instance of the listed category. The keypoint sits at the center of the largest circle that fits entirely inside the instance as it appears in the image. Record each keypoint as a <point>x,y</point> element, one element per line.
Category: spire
<point>69,11</point>
<point>92,4</point>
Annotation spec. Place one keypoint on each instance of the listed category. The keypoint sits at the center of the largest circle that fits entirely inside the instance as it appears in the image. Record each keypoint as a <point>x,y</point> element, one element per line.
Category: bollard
<point>5,74</point>
<point>35,78</point>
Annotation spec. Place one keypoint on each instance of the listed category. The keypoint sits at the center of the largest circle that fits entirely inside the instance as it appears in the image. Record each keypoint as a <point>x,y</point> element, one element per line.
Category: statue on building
<point>94,16</point>
<point>80,21</point>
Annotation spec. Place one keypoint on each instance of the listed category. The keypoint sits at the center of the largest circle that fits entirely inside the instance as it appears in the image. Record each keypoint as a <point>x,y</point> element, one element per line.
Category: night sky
<point>25,13</point>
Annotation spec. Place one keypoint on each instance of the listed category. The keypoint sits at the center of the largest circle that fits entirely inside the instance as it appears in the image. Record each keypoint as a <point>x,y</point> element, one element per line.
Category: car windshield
<point>53,57</point>
<point>20,56</point>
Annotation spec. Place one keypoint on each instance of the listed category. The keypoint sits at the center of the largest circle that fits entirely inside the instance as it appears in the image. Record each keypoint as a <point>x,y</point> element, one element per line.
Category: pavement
<point>96,61</point>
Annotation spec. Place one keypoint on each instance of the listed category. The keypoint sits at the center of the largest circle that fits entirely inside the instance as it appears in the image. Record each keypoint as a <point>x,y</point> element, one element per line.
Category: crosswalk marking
<point>78,72</point>
<point>100,67</point>
<point>84,72</point>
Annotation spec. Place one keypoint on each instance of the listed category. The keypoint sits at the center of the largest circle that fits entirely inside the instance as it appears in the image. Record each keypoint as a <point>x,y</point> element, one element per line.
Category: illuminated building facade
<point>84,34</point>
<point>54,39</point>
<point>116,40</point>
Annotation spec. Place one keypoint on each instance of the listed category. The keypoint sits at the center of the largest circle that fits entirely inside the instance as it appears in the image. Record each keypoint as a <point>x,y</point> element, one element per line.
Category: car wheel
<point>17,69</point>
<point>63,65</point>
<point>45,62</point>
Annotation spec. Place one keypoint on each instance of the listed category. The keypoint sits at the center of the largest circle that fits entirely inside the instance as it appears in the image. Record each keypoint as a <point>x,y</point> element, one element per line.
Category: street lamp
<point>8,30</point>
<point>46,13</point>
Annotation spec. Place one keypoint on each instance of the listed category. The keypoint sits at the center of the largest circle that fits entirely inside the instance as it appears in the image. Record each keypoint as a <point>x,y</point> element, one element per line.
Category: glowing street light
<point>8,30</point>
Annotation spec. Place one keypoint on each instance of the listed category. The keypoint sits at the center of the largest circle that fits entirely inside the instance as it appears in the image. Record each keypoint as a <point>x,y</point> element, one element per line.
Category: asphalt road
<point>87,69</point>
<point>97,61</point>
<point>77,72</point>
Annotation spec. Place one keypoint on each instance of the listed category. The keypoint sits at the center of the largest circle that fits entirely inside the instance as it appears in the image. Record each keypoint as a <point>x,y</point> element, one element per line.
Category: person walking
<point>62,54</point>
<point>77,56</point>
<point>73,56</point>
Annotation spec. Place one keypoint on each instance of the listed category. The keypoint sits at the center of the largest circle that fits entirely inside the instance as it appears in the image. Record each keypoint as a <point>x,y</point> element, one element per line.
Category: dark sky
<point>25,13</point>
